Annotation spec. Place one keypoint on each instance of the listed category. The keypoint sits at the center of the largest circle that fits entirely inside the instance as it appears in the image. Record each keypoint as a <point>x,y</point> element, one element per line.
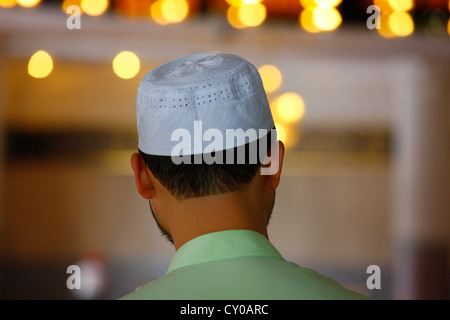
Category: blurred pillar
<point>2,144</point>
<point>2,117</point>
<point>421,180</point>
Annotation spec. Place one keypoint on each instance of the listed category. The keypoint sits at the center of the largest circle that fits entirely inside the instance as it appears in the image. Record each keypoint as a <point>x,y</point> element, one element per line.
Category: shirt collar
<point>223,245</point>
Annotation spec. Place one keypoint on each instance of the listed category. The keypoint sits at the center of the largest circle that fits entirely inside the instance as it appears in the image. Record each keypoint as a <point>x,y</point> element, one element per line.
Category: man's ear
<point>142,177</point>
<point>272,170</point>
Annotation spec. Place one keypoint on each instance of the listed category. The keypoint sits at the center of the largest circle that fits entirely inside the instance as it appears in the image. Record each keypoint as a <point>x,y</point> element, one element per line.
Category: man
<point>209,163</point>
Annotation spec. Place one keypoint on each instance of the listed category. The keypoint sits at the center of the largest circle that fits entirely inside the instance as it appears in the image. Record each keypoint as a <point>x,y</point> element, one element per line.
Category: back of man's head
<point>204,124</point>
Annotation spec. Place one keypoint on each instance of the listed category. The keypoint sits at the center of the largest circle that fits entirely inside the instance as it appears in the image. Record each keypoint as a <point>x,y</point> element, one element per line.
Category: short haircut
<point>193,180</point>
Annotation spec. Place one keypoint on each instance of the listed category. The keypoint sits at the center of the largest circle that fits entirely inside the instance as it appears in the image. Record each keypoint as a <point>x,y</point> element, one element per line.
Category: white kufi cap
<point>223,91</point>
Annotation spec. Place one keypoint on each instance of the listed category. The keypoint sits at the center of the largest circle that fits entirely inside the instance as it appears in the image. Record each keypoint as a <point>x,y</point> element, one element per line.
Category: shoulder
<point>249,278</point>
<point>296,282</point>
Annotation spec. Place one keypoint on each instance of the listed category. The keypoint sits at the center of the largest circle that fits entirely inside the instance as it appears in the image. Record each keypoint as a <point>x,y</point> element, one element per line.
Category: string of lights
<point>399,18</point>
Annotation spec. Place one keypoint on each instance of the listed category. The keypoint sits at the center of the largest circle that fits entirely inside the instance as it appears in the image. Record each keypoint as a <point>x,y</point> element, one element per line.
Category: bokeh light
<point>320,15</point>
<point>156,13</point>
<point>401,23</point>
<point>385,30</point>
<point>395,19</point>
<point>67,3</point>
<point>252,15</point>
<point>320,19</point>
<point>234,3</point>
<point>94,7</point>
<point>169,11</point>
<point>246,13</point>
<point>271,77</point>
<point>290,107</point>
<point>174,11</point>
<point>306,20</point>
<point>237,3</point>
<point>40,64</point>
<point>308,3</point>
<point>8,3</point>
<point>448,27</point>
<point>401,5</point>
<point>327,3</point>
<point>250,1</point>
<point>383,5</point>
<point>289,135</point>
<point>233,17</point>
<point>326,19</point>
<point>126,65</point>
<point>28,3</point>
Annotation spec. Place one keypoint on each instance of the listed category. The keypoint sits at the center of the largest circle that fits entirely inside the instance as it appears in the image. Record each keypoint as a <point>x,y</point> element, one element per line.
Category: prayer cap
<point>196,93</point>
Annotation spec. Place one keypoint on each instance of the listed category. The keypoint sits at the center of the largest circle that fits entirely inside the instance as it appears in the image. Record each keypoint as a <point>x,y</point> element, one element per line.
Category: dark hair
<point>192,180</point>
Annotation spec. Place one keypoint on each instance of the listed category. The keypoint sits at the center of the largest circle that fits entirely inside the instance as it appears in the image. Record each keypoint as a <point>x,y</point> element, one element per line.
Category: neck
<point>235,210</point>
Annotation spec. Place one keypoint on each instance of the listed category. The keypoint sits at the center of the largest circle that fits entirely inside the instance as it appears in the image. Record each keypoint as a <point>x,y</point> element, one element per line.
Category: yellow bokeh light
<point>28,3</point>
<point>289,135</point>
<point>290,107</point>
<point>126,65</point>
<point>233,18</point>
<point>237,3</point>
<point>271,77</point>
<point>252,15</point>
<point>448,27</point>
<point>94,7</point>
<point>320,3</point>
<point>234,3</point>
<point>308,3</point>
<point>326,19</point>
<point>401,24</point>
<point>328,3</point>
<point>250,1</point>
<point>156,13</point>
<point>306,20</point>
<point>40,64</point>
<point>385,30</point>
<point>401,5</point>
<point>174,11</point>
<point>8,3</point>
<point>383,5</point>
<point>320,19</point>
<point>68,3</point>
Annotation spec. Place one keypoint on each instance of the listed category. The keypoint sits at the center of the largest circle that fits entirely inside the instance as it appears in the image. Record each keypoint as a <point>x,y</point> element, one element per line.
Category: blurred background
<point>362,107</point>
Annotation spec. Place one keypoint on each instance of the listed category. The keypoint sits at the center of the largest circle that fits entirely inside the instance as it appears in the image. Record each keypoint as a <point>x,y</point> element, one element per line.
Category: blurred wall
<point>69,136</point>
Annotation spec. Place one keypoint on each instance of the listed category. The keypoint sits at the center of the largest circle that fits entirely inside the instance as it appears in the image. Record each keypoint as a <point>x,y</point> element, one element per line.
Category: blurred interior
<point>364,114</point>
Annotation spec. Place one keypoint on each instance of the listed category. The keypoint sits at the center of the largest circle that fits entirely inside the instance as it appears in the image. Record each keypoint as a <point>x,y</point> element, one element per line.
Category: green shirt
<point>238,264</point>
